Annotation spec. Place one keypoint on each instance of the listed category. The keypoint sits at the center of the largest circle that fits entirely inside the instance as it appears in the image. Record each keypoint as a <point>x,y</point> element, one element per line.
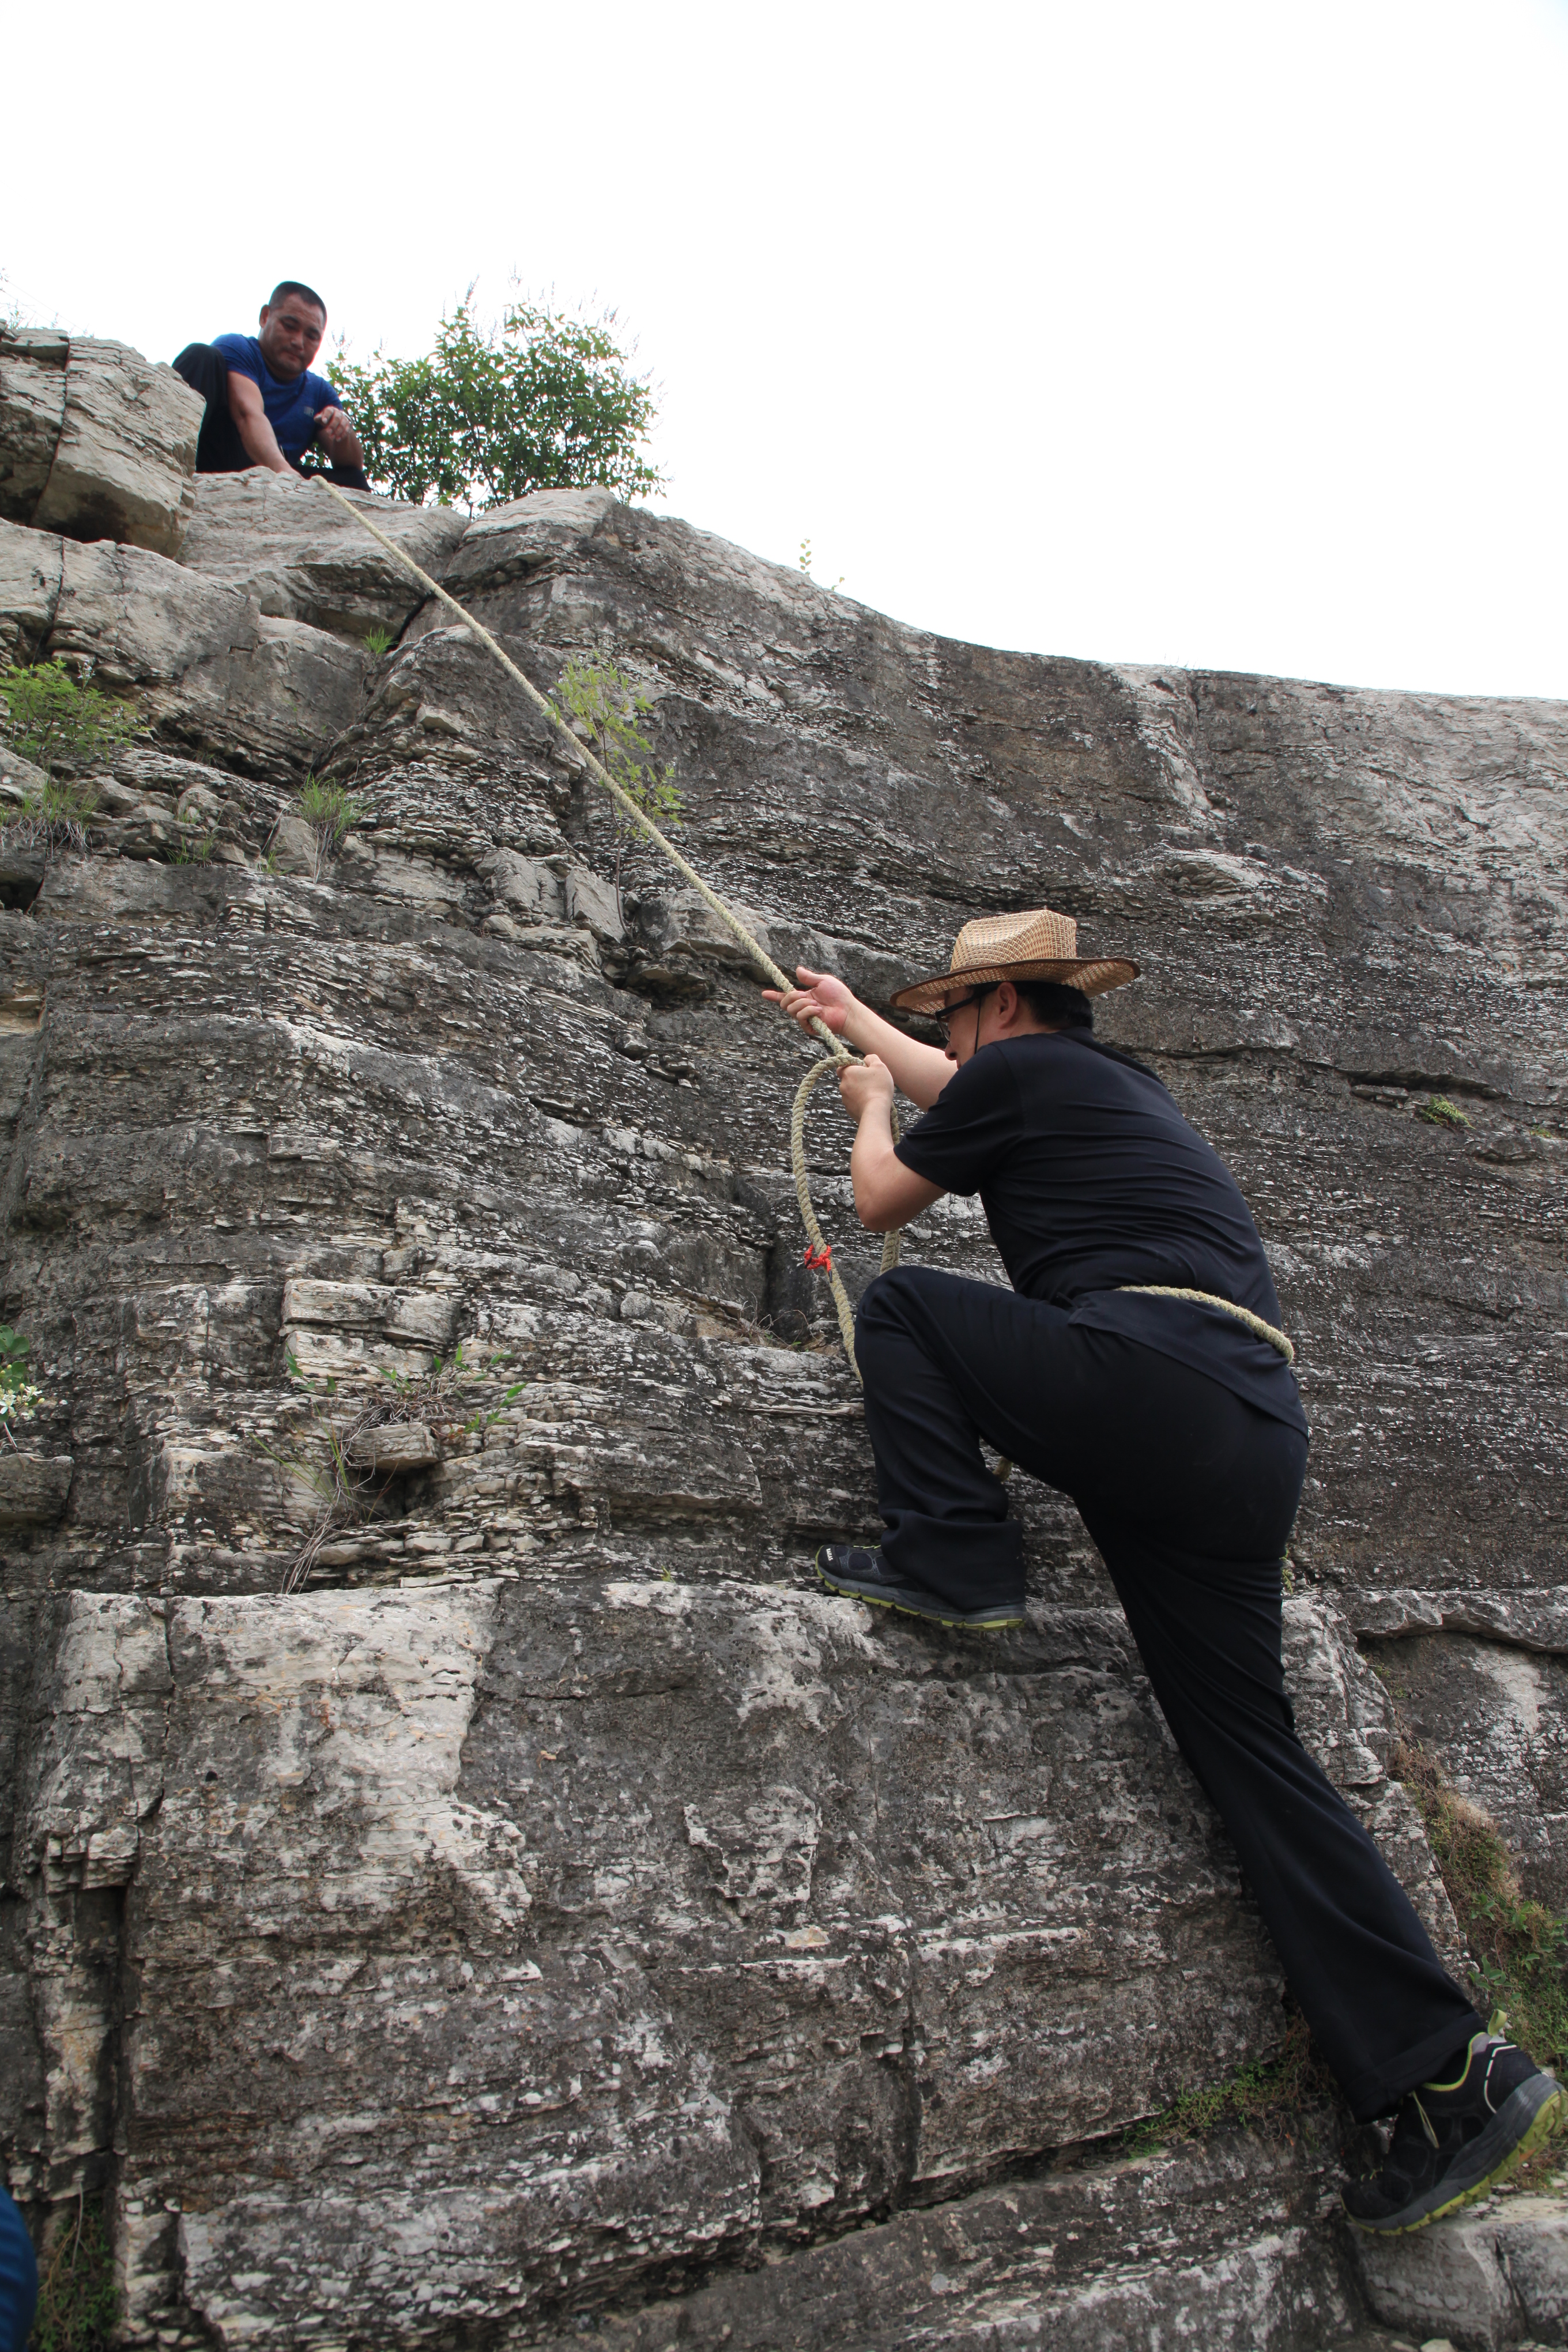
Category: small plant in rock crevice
<point>331,811</point>
<point>1438,1111</point>
<point>1519,1948</point>
<point>53,819</point>
<point>1259,2097</point>
<point>445,1398</point>
<point>192,847</point>
<point>441,1395</point>
<point>604,706</point>
<point>77,2302</point>
<point>377,642</point>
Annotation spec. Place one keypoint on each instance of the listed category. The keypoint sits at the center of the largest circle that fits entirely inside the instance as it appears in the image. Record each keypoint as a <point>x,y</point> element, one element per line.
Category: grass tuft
<point>54,817</point>
<point>331,811</point>
<point>1519,1949</point>
<point>78,2304</point>
<point>1438,1111</point>
<point>1258,2097</point>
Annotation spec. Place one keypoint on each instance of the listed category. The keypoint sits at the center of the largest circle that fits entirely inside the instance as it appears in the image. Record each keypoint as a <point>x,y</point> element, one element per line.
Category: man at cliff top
<point>265,407</point>
<point>1136,1366</point>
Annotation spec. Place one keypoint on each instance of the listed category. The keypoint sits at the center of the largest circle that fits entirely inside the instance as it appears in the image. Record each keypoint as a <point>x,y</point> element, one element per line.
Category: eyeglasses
<point>945,1017</point>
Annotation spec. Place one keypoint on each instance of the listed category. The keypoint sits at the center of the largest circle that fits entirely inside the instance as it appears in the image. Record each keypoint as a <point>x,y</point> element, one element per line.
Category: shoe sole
<point>1535,2114</point>
<point>911,1604</point>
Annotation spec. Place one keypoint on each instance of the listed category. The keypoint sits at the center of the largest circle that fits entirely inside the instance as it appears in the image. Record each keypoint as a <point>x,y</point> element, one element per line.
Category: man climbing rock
<point>1136,1365</point>
<point>265,407</point>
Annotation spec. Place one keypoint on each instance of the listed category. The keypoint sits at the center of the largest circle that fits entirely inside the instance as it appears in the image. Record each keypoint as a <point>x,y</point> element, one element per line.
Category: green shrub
<point>544,401</point>
<point>57,720</point>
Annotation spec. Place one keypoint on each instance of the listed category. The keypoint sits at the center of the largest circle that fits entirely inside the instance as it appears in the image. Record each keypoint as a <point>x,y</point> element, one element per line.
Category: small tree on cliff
<point>542,401</point>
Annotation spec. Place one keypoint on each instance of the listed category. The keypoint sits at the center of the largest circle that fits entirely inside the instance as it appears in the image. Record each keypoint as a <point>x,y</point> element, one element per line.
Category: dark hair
<point>1058,1006</point>
<point>287,285</point>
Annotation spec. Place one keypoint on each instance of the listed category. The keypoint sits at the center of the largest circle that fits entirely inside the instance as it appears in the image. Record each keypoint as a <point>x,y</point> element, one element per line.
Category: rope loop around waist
<point>1244,1315</point>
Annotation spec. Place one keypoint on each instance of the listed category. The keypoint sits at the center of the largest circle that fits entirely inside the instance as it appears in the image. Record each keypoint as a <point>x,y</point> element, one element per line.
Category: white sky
<point>1219,334</point>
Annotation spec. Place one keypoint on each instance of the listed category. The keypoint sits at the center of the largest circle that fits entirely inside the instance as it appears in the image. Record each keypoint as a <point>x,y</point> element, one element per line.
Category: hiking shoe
<point>864,1576</point>
<point>1455,2140</point>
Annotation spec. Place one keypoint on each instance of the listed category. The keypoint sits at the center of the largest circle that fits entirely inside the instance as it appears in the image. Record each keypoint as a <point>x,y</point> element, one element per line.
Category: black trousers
<point>1190,1494</point>
<point>219,450</point>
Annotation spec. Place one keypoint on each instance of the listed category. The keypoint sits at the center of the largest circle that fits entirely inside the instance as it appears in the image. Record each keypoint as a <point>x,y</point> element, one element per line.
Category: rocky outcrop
<point>268,696</point>
<point>555,1907</point>
<point>95,441</point>
<point>1489,2279</point>
<point>923,1910</point>
<point>293,549</point>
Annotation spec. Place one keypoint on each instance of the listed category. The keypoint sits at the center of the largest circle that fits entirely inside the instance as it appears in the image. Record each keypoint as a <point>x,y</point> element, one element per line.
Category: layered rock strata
<point>555,1905</point>
<point>95,441</point>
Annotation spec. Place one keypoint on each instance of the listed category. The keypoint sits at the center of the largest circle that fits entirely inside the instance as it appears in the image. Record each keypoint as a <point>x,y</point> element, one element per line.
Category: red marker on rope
<point>820,1260</point>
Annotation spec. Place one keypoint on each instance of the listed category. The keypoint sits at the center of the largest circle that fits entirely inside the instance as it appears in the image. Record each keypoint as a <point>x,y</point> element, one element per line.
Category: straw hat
<point>1039,944</point>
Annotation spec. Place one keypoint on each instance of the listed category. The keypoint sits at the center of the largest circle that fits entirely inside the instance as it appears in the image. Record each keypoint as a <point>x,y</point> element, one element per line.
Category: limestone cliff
<point>556,1909</point>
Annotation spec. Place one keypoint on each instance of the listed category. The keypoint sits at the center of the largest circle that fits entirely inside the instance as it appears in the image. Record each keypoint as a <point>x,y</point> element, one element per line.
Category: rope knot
<point>820,1260</point>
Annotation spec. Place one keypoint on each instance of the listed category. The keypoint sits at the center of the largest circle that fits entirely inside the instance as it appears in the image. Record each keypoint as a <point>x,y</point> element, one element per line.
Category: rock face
<point>95,441</point>
<point>515,1905</point>
<point>920,1913</point>
<point>267,695</point>
<point>294,550</point>
<point>1490,2278</point>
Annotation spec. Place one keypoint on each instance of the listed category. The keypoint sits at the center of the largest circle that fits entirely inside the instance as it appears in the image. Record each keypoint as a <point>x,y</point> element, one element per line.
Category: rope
<point>1254,1323</point>
<point>639,816</point>
<point>818,1254</point>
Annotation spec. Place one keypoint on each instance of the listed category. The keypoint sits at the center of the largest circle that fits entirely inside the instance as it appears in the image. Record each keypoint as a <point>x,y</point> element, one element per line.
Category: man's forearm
<point>262,443</point>
<point>920,1072</point>
<point>871,1162</point>
<point>887,1194</point>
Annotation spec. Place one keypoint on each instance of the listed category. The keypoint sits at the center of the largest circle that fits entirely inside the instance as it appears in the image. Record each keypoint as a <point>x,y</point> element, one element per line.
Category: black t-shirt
<point>1090,1179</point>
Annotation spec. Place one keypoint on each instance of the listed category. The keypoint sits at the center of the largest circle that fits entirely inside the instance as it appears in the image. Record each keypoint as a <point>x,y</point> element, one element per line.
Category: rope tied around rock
<point>820,1256</point>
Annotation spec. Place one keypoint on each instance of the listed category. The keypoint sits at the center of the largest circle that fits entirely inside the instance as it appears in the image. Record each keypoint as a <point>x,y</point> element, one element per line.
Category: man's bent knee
<point>203,368</point>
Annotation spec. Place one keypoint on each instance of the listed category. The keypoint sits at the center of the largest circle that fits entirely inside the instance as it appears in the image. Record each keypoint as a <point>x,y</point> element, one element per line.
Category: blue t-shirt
<point>18,2279</point>
<point>1090,1178</point>
<point>291,408</point>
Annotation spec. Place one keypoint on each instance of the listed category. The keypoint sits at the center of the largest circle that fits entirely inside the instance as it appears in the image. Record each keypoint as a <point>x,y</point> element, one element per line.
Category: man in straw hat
<point>1137,1366</point>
